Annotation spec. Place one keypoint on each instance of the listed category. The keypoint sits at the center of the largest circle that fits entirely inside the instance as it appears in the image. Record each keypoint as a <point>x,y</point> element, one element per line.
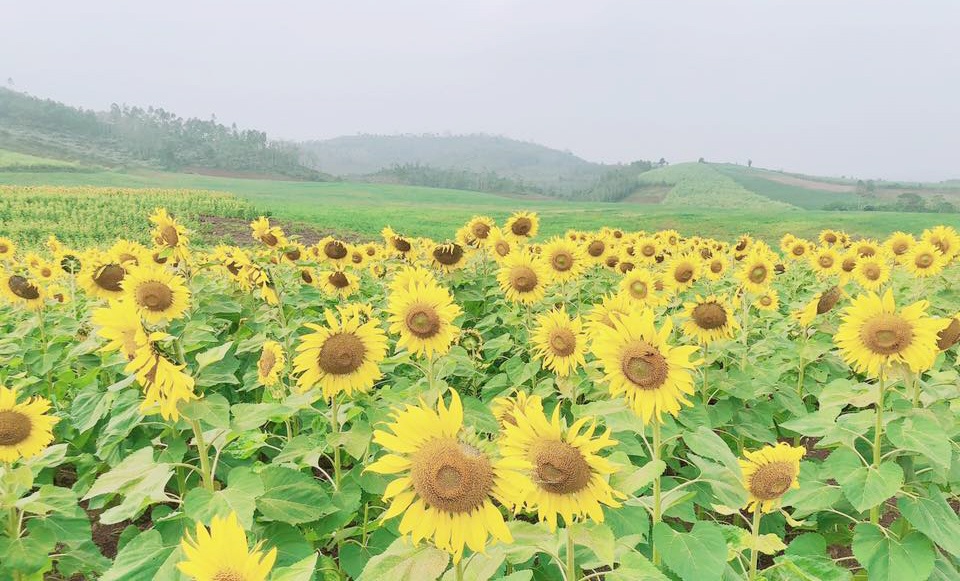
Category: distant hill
<point>132,136</point>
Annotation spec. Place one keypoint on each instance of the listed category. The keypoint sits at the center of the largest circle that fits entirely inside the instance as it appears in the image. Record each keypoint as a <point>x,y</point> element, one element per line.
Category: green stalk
<point>754,552</point>
<point>459,571</point>
<point>204,455</point>
<point>916,389</point>
<point>571,555</point>
<point>706,366</point>
<point>878,441</point>
<point>335,426</point>
<point>656,489</point>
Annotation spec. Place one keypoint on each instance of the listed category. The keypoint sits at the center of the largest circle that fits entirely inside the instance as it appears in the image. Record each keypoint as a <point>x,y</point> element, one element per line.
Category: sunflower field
<point>598,406</point>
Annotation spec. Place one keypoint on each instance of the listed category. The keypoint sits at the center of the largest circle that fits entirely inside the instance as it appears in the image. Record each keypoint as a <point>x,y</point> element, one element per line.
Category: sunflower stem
<point>459,570</point>
<point>754,552</point>
<point>335,427</point>
<point>656,489</point>
<point>878,441</point>
<point>704,368</point>
<point>571,555</point>
<point>916,389</point>
<point>203,453</point>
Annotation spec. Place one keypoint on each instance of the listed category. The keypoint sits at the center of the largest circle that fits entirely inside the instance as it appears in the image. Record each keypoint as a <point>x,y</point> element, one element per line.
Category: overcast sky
<point>869,88</point>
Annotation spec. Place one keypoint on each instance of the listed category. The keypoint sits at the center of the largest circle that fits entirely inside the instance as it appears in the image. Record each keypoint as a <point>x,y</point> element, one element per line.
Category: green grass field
<point>11,161</point>
<point>364,209</point>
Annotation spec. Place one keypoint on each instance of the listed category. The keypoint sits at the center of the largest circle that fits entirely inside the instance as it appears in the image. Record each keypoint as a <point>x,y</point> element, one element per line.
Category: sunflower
<point>768,473</point>
<point>45,271</point>
<point>716,266</point>
<point>271,236</point>
<point>120,324</point>
<point>668,238</point>
<point>503,407</point>
<point>500,245</point>
<point>825,261</point>
<point>768,301</point>
<point>344,356</point>
<point>565,259</point>
<point>567,476</point>
<point>523,278</point>
<point>640,287</point>
<point>158,294</point>
<point>820,304</point>
<point>596,248</point>
<point>447,257</point>
<point>874,335</point>
<point>221,554</point>
<point>7,248</point>
<point>640,365</point>
<point>270,364</point>
<point>164,383</point>
<point>362,310</point>
<point>292,252</point>
<point>333,252</point>
<point>559,341</point>
<point>848,262</point>
<point>169,234</point>
<point>358,257</point>
<point>445,486</point>
<point>477,230</point>
<point>22,291</point>
<point>647,249</point>
<point>799,249</point>
<point>924,260</point>
<point>128,253</point>
<point>866,248</point>
<point>681,272</point>
<point>601,314</point>
<point>872,272</point>
<point>408,276</point>
<point>25,428</point>
<point>709,319</point>
<point>398,245</point>
<point>338,283</point>
<point>945,238</point>
<point>102,277</point>
<point>522,225</point>
<point>899,243</point>
<point>950,335</point>
<point>786,241</point>
<point>422,314</point>
<point>829,237</point>
<point>756,272</point>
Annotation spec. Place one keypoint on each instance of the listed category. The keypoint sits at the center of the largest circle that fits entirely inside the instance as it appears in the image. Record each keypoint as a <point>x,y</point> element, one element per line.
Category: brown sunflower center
<point>772,480</point>
<point>758,274</point>
<point>611,261</point>
<point>480,230</point>
<point>683,273</point>
<point>335,249</point>
<point>523,279</point>
<point>709,316</point>
<point>267,360</point>
<point>370,250</point>
<point>899,247</point>
<point>305,276</point>
<point>924,260</point>
<point>871,271</point>
<point>228,575</point>
<point>292,254</point>
<point>451,476</point>
<point>341,354</point>
<point>127,257</point>
<point>596,248</point>
<point>154,296</point>
<point>648,250</point>
<point>423,321</point>
<point>562,261</point>
<point>798,250</point>
<point>521,226</point>
<point>942,244</point>
<point>644,365</point>
<point>830,238</point>
<point>626,266</point>
<point>716,267</point>
<point>339,279</point>
<point>828,300</point>
<point>742,245</point>
<point>563,342</point>
<point>169,235</point>
<point>269,239</point>
<point>502,247</point>
<point>15,427</point>
<point>887,334</point>
<point>448,254</point>
<point>401,244</point>
<point>848,264</point>
<point>109,277</point>
<point>639,289</point>
<point>22,288</point>
<point>560,468</point>
<point>826,261</point>
<point>949,336</point>
<point>356,257</point>
<point>766,301</point>
<point>867,251</point>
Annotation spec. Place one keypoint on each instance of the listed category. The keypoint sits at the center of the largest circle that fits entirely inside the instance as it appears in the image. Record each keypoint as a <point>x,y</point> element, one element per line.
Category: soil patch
<point>236,231</point>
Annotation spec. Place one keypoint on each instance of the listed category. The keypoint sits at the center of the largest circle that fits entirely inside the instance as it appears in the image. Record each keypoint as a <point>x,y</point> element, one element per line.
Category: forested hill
<point>126,136</point>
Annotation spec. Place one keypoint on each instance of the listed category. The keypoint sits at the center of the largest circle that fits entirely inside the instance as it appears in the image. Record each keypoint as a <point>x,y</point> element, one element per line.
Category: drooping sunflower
<point>522,225</point>
<point>398,245</point>
<point>448,257</point>
<point>22,291</point>
<point>640,286</point>
<point>221,554</point>
<point>709,319</point>
<point>25,428</point>
<point>567,475</point>
<point>344,356</point>
<point>872,272</point>
<point>756,272</point>
<point>945,238</point>
<point>874,335</point>
<point>523,278</point>
<point>503,407</point>
<point>924,259</point>
<point>768,301</point>
<point>950,335</point>
<point>164,383</point>
<point>169,234</point>
<point>564,258</point>
<point>7,248</point>
<point>101,276</point>
<point>338,283</point>
<point>768,473</point>
<point>640,365</point>
<point>820,304</point>
<point>825,261</point>
<point>271,236</point>
<point>681,272</point>
<point>119,323</point>
<point>293,252</point>
<point>422,315</point>
<point>271,363</point>
<point>601,314</point>
<point>560,342</point>
<point>333,251</point>
<point>899,243</point>
<point>159,294</point>
<point>445,486</point>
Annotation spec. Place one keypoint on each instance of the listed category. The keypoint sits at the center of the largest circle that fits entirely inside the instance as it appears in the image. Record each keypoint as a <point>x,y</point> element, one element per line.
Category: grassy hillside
<point>362,209</point>
<point>701,185</point>
<point>13,161</point>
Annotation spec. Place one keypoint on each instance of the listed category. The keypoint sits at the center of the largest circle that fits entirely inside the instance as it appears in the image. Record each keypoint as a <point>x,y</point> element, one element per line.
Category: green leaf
<point>403,562</point>
<point>211,356</point>
<point>804,568</point>
<point>704,442</point>
<point>240,495</point>
<point>141,558</point>
<point>292,497</point>
<point>141,480</point>
<point>932,516</point>
<point>480,567</point>
<point>921,433</point>
<point>887,558</point>
<point>629,480</point>
<point>598,538</point>
<point>528,539</point>
<point>695,556</point>
<point>213,410</point>
<point>635,566</point>
<point>299,571</point>
<point>868,487</point>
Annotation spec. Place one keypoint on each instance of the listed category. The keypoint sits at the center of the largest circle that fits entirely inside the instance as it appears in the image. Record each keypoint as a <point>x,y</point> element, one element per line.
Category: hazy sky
<point>869,88</point>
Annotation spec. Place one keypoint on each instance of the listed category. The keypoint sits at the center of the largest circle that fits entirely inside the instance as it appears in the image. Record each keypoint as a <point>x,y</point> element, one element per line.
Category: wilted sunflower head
<point>945,239</point>
<point>449,256</point>
<point>167,232</point>
<point>950,335</point>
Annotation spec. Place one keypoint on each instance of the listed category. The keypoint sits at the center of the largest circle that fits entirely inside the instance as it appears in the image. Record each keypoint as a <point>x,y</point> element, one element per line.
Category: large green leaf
<point>404,562</point>
<point>932,516</point>
<point>887,558</point>
<point>635,566</point>
<point>864,486</point>
<point>141,558</point>
<point>704,442</point>
<point>698,555</point>
<point>292,497</point>
<point>139,478</point>
<point>922,434</point>
<point>804,568</point>
<point>240,496</point>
